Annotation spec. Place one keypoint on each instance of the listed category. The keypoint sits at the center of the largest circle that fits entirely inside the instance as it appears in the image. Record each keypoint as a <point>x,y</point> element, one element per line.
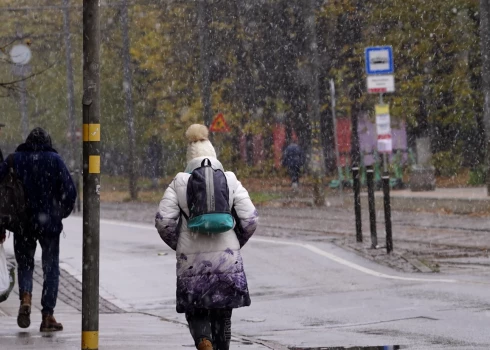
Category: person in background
<point>293,160</point>
<point>3,232</point>
<point>50,196</point>
<point>1,154</point>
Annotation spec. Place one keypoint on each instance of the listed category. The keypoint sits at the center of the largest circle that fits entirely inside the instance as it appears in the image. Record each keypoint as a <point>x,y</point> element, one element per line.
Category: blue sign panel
<point>379,60</point>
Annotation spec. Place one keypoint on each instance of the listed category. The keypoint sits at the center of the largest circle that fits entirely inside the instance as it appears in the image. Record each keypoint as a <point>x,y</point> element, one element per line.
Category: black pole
<point>24,106</point>
<point>372,206</point>
<point>485,74</point>
<point>91,174</point>
<point>357,202</point>
<point>387,205</point>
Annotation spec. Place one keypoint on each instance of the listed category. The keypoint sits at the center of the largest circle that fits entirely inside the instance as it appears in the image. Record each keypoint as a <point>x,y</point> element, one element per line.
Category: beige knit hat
<point>199,144</point>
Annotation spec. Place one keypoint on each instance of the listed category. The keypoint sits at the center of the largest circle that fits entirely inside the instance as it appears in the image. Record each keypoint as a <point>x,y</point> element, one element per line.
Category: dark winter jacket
<point>293,156</point>
<point>49,189</point>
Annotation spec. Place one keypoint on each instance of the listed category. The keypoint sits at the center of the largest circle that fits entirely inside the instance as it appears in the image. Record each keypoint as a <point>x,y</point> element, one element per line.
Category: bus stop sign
<point>379,60</point>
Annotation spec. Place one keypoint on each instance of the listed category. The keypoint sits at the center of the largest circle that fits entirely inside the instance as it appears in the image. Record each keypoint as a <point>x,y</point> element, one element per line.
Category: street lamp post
<point>20,56</point>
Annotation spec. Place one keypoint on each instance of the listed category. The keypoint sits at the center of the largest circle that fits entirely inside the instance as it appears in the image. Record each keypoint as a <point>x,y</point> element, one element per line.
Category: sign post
<point>91,174</point>
<point>380,69</point>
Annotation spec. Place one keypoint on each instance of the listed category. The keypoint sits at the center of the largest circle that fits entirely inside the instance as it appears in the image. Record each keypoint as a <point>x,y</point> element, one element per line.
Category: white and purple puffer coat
<point>210,272</point>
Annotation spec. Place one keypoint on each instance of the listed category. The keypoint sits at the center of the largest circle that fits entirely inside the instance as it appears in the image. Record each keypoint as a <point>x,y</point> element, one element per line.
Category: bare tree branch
<point>10,43</point>
<point>13,82</point>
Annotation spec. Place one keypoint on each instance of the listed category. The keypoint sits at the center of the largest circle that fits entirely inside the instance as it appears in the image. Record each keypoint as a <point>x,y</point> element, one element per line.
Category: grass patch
<point>263,197</point>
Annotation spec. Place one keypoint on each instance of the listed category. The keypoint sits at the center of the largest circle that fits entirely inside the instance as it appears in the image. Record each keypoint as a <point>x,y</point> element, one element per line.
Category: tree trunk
<point>485,53</point>
<point>317,163</point>
<point>74,155</point>
<point>128,110</point>
<point>205,64</point>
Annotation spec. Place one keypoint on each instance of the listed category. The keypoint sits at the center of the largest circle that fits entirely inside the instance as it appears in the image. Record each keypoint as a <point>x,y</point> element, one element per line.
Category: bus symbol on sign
<point>379,60</point>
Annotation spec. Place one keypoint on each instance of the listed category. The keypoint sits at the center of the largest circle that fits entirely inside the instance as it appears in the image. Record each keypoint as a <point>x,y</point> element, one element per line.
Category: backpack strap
<point>184,214</point>
<point>203,163</point>
<point>10,163</point>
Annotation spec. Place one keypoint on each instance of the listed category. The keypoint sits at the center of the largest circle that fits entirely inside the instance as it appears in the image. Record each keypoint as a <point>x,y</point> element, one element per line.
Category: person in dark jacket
<point>293,160</point>
<point>3,234</point>
<point>1,154</point>
<point>50,196</point>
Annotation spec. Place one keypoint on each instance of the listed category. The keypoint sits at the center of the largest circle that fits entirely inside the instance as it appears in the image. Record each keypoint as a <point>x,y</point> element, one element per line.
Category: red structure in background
<point>279,136</point>
<point>344,134</point>
<point>257,155</point>
<point>367,140</point>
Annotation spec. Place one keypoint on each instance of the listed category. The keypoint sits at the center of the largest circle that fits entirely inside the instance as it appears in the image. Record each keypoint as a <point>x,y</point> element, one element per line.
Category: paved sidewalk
<point>118,329</point>
<point>446,193</point>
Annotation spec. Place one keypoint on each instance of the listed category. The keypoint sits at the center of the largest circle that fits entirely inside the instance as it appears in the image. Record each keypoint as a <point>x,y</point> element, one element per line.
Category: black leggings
<point>214,325</point>
<point>293,172</point>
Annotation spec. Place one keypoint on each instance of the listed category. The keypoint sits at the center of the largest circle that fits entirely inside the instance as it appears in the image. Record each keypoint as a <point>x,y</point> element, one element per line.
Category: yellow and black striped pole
<point>91,175</point>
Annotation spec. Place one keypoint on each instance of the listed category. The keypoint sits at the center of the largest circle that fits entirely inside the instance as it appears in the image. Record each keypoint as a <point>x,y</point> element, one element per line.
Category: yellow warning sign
<point>219,124</point>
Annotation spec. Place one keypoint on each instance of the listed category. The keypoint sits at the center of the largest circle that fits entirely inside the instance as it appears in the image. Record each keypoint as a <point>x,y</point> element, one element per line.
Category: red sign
<point>377,90</point>
<point>219,124</point>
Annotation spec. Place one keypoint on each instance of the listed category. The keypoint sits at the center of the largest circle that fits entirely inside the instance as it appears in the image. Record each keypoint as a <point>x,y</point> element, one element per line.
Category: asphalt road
<point>305,292</point>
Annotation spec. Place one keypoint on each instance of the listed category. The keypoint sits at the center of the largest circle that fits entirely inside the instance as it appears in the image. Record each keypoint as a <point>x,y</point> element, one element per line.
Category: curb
<point>462,206</point>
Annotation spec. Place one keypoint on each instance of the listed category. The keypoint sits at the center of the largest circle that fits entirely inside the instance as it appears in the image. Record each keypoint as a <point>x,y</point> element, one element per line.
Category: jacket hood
<point>39,136</point>
<point>196,163</point>
<point>37,141</point>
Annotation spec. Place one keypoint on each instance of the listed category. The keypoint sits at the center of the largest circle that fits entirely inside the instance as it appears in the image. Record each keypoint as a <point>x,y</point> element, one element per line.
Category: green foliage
<point>259,65</point>
<point>447,163</point>
<point>478,176</point>
<point>263,197</point>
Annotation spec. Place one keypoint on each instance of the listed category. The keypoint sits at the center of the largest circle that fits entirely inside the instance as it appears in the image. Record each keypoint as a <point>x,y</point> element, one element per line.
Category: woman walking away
<point>206,216</point>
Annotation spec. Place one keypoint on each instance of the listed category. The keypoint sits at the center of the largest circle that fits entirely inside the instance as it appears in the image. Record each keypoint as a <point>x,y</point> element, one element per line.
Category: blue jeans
<point>25,248</point>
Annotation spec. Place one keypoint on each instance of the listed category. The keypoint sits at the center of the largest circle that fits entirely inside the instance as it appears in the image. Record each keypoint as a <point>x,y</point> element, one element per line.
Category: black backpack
<point>12,200</point>
<point>208,201</point>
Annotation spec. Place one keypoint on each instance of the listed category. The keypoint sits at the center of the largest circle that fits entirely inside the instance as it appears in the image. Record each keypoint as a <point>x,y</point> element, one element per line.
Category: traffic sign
<point>219,124</point>
<point>379,60</point>
<point>378,84</point>
<point>383,128</point>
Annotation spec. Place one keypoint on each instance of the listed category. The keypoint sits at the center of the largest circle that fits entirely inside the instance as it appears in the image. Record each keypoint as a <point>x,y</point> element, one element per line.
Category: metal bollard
<point>372,206</point>
<point>357,202</point>
<point>387,205</point>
